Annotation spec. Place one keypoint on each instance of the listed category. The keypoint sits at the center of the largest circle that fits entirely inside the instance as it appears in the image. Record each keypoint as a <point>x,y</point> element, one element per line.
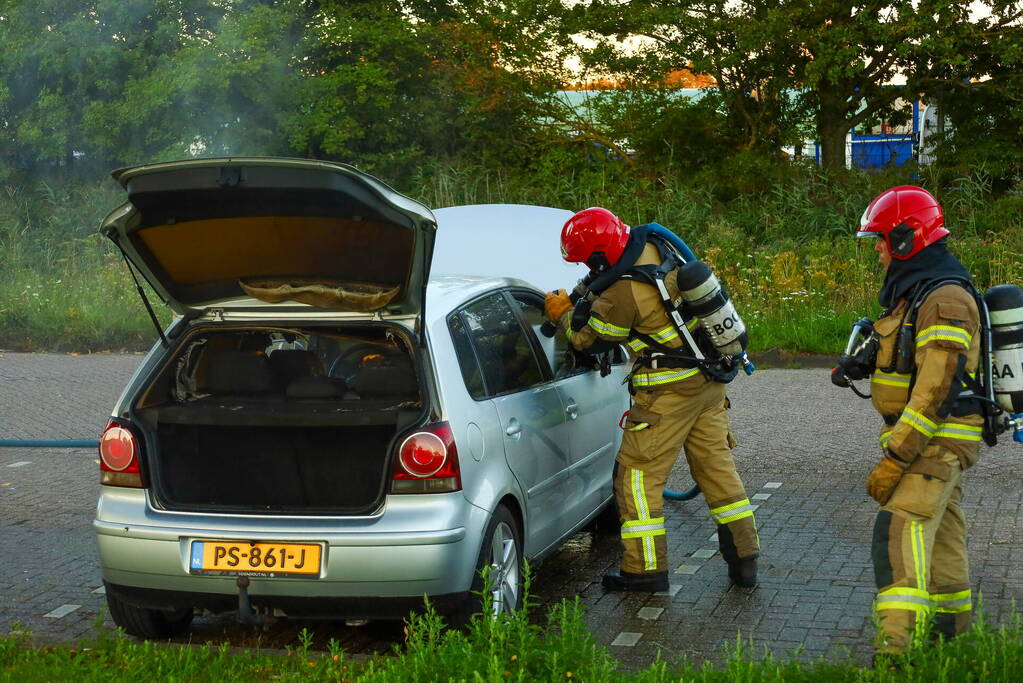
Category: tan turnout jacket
<point>629,306</point>
<point>947,327</point>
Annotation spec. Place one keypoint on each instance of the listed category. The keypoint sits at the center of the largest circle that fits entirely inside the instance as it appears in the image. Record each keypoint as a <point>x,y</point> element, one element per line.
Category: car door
<point>532,417</point>
<point>593,404</point>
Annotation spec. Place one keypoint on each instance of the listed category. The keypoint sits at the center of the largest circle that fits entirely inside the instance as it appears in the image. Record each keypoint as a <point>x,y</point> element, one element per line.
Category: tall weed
<point>786,252</point>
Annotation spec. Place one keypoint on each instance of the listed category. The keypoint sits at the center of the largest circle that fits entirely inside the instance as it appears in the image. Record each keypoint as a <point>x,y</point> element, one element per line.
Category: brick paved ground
<point>804,453</point>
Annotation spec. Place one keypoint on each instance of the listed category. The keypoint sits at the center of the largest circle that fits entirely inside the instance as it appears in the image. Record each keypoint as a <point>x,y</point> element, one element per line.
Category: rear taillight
<point>427,462</point>
<point>119,457</point>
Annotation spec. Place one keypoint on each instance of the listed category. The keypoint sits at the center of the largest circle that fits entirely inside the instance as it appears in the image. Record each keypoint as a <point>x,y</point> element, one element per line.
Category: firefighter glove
<point>581,314</point>
<point>556,304</point>
<point>885,477</point>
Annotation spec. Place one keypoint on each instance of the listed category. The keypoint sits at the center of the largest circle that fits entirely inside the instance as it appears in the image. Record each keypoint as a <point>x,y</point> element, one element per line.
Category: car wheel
<point>607,521</point>
<point>148,623</point>
<point>502,553</point>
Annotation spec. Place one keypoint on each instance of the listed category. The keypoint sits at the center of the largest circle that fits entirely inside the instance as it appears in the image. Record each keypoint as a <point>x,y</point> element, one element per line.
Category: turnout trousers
<point>660,424</point>
<point>919,554</point>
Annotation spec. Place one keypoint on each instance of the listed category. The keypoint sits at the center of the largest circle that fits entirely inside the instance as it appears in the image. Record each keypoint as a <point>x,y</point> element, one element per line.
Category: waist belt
<point>664,361</point>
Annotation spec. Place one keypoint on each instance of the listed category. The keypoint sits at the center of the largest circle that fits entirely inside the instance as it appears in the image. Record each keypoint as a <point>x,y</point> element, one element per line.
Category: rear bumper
<point>370,607</point>
<point>393,557</point>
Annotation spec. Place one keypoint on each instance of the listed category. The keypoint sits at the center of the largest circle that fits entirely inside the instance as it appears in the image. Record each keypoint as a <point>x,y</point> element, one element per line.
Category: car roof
<point>503,241</point>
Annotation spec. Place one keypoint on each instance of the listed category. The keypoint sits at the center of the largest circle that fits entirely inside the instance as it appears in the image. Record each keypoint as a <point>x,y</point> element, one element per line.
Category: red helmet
<point>593,231</point>
<point>908,218</point>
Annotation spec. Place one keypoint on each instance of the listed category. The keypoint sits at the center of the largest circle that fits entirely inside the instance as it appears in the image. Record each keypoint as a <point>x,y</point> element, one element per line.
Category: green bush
<point>783,246</point>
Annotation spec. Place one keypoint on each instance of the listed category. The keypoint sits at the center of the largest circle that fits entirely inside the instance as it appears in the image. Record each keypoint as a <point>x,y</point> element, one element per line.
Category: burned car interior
<point>295,420</point>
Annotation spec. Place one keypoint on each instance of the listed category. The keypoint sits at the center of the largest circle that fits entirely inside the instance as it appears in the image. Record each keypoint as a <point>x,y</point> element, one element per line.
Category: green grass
<point>787,254</point>
<point>63,287</point>
<point>511,650</point>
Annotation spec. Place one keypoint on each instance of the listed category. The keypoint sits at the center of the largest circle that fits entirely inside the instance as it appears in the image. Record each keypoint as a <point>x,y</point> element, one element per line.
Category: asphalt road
<point>805,449</point>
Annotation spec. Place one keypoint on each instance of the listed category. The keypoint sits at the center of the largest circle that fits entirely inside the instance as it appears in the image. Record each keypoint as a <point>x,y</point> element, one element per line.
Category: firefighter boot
<point>744,572</point>
<point>653,582</point>
<point>741,570</point>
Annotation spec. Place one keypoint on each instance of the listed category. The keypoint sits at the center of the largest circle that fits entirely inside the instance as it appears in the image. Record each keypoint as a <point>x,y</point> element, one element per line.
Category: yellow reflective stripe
<point>905,591</point>
<point>955,430</point>
<point>639,494</point>
<point>730,506</point>
<point>665,335</point>
<point>638,528</point>
<point>569,333</point>
<point>742,514</point>
<point>952,603</point>
<point>903,597</point>
<point>885,438</point>
<point>732,512</point>
<point>944,333</point>
<point>640,426</point>
<point>918,422</point>
<point>693,323</point>
<point>891,379</point>
<point>644,522</point>
<point>637,345</point>
<point>916,531</point>
<point>908,604</point>
<point>607,328</point>
<point>642,511</point>
<point>644,535</point>
<point>649,379</point>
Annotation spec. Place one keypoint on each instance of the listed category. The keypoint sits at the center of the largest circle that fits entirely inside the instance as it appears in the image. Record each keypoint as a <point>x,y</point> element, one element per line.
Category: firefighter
<point>675,404</point>
<point>928,351</point>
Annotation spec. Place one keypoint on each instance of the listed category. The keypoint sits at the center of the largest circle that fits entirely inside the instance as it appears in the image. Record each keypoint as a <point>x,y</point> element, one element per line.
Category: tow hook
<point>246,615</point>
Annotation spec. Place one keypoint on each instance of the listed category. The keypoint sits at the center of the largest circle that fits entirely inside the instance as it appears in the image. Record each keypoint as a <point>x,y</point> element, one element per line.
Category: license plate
<point>234,558</point>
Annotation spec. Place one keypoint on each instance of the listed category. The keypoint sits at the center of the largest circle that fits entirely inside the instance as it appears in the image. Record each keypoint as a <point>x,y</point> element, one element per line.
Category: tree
<point>400,84</point>
<point>68,70</point>
<point>834,58</point>
<point>983,118</point>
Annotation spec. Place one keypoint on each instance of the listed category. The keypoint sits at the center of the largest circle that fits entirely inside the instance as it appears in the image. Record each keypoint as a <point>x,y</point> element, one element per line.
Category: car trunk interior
<point>279,420</point>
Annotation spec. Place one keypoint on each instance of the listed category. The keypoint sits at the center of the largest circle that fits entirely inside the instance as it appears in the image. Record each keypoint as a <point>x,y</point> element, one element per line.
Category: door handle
<point>572,410</point>
<point>514,429</point>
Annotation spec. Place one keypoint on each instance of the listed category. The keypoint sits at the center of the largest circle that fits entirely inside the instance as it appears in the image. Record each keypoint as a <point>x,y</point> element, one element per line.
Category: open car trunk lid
<point>286,232</point>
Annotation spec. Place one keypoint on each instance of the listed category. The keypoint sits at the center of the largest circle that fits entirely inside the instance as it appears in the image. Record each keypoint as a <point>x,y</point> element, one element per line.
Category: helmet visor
<point>867,233</point>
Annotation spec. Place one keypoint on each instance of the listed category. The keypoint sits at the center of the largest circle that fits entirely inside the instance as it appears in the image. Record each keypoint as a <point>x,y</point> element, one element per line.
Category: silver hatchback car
<point>354,406</point>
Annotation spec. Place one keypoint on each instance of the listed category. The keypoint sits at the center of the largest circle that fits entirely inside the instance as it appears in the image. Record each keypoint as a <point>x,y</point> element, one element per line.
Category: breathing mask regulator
<point>997,391</point>
<point>858,359</point>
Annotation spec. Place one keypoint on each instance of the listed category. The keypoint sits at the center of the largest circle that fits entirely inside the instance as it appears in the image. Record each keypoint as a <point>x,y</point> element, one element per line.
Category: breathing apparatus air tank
<point>708,301</point>
<point>1005,307</point>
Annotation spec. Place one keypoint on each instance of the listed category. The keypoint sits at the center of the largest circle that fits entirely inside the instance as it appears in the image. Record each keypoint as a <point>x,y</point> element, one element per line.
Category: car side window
<point>556,348</point>
<point>502,347</point>
<point>471,374</point>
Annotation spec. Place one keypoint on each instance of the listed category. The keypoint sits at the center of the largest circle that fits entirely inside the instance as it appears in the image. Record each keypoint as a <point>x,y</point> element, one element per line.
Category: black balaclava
<point>933,262</point>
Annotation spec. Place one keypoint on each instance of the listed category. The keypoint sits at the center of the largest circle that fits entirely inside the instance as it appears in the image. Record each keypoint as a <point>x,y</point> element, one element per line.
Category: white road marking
<point>772,485</point>
<point>102,590</point>
<point>704,553</point>
<point>20,464</point>
<point>650,613</point>
<point>761,496</point>
<point>61,611</point>
<point>627,639</point>
<point>687,569</point>
<point>713,537</point>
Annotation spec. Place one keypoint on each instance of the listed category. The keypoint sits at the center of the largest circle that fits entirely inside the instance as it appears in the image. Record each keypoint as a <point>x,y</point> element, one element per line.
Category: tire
<point>607,522</point>
<point>148,623</point>
<point>502,552</point>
